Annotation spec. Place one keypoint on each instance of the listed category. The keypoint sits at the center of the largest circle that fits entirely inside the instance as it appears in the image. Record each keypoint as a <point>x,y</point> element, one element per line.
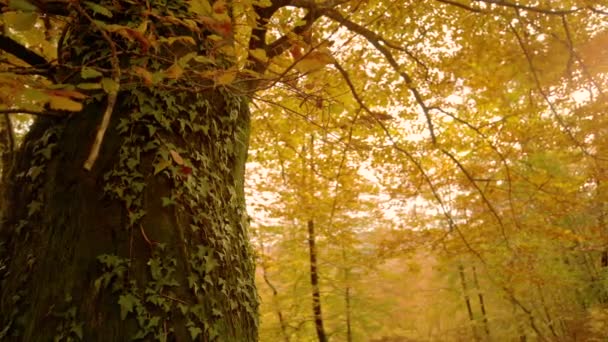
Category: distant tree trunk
<point>349,332</point>
<point>275,297</point>
<point>482,305</point>
<point>314,282</point>
<point>467,301</point>
<point>151,243</point>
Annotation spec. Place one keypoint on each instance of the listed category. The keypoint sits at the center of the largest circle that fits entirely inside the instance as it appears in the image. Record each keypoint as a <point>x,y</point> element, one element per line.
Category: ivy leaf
<point>163,164</point>
<point>167,201</point>
<point>127,303</point>
<point>33,207</point>
<point>194,332</point>
<point>77,330</point>
<point>211,264</point>
<point>155,268</point>
<point>98,9</point>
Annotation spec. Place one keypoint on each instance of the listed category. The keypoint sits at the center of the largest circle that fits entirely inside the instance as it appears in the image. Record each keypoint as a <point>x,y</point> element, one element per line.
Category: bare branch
<point>30,57</point>
<point>378,43</point>
<point>258,34</point>
<point>280,45</point>
<point>544,95</point>
<point>481,193</point>
<point>112,95</point>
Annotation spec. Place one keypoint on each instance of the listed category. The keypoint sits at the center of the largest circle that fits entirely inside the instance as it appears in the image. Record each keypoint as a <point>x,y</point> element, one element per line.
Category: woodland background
<point>459,196</point>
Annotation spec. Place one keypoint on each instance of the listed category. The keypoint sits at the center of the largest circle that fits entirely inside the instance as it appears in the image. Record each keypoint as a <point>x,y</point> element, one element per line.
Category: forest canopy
<point>429,170</point>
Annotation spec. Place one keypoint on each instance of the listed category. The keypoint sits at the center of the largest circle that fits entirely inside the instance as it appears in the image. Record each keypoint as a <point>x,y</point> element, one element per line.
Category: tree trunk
<point>467,301</point>
<point>151,243</point>
<point>314,282</point>
<point>7,145</point>
<point>482,305</point>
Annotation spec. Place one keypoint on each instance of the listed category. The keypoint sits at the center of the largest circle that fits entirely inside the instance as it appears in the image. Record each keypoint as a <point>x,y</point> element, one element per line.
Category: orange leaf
<point>176,157</point>
<point>66,93</point>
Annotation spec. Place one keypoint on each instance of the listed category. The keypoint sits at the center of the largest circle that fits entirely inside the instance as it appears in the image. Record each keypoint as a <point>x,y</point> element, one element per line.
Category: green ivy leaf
<point>127,303</point>
<point>77,330</point>
<point>33,207</point>
<point>194,332</point>
<point>155,268</point>
<point>166,201</point>
<point>163,164</point>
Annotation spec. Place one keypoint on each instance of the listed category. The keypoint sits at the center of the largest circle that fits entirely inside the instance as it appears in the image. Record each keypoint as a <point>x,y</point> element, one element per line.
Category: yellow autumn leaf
<point>176,157</point>
<point>20,21</point>
<point>144,74</point>
<point>259,54</point>
<point>174,71</point>
<point>313,61</point>
<point>200,7</point>
<point>64,103</point>
<point>225,77</point>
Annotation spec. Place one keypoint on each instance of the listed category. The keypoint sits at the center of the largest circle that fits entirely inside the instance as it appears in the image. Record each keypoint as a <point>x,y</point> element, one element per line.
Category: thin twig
<point>112,95</point>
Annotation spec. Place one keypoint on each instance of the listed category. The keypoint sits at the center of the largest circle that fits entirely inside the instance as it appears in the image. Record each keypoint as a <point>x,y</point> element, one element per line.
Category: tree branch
<point>258,34</point>
<point>280,45</point>
<point>30,57</point>
<point>378,42</point>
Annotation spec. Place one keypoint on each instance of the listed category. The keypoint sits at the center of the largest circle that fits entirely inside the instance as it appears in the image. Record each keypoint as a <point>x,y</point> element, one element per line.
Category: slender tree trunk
<point>520,327</point>
<point>347,298</point>
<point>314,282</point>
<point>275,298</point>
<point>349,332</point>
<point>467,301</point>
<point>482,305</point>
<point>150,244</point>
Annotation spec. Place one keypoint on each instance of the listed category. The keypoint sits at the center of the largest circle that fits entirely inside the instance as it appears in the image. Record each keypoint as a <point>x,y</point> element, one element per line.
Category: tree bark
<point>7,146</point>
<point>314,282</point>
<point>150,244</point>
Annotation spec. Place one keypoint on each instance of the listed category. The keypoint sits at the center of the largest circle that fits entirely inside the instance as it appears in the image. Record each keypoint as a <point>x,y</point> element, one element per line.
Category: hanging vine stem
<point>112,93</point>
